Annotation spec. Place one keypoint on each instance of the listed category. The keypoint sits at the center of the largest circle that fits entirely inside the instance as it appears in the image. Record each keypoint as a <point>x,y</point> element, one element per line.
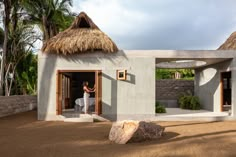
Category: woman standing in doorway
<point>87,92</point>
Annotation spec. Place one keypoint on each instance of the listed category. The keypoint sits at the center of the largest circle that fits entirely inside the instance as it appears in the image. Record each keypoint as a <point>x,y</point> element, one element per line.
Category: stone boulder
<point>123,132</point>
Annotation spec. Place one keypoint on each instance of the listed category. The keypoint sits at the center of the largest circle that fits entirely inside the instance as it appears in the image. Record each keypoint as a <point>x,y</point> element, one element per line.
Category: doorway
<point>226,91</point>
<point>69,92</point>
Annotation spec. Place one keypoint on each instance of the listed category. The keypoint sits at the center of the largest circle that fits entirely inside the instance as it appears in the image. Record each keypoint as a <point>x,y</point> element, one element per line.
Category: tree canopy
<point>18,70</point>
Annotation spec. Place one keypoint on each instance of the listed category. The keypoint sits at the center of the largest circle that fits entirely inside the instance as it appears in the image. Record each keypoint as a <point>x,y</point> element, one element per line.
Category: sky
<point>163,24</point>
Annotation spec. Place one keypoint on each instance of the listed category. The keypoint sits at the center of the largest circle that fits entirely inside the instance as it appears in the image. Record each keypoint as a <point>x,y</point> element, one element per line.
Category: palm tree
<point>50,15</point>
<point>22,40</point>
<point>1,37</point>
<point>17,36</point>
<point>6,22</point>
<point>26,73</point>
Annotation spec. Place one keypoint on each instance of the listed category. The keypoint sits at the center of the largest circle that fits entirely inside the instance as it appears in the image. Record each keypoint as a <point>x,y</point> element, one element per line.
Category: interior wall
<point>207,85</point>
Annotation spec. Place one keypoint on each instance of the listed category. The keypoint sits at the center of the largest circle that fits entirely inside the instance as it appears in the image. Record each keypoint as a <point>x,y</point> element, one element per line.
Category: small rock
<point>134,131</point>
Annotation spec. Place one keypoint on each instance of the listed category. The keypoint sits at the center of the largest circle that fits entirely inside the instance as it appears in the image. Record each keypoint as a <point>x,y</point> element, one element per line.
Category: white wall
<point>207,85</point>
<point>135,96</point>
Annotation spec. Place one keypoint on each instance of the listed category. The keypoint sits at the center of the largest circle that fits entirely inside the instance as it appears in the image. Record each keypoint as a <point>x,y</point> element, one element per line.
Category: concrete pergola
<point>208,65</point>
<point>209,57</point>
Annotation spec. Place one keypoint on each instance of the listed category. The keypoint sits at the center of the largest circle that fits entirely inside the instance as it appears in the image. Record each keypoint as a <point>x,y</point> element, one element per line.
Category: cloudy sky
<point>163,24</point>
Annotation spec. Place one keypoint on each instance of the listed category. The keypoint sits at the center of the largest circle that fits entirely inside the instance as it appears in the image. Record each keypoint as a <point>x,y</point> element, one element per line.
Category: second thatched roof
<point>230,43</point>
<point>82,36</point>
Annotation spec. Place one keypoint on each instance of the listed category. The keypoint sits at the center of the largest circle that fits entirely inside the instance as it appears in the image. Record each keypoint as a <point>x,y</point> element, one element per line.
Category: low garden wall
<point>168,90</point>
<point>15,104</point>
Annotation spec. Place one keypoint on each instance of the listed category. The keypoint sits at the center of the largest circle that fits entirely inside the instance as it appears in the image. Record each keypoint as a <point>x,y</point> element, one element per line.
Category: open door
<point>226,91</point>
<point>66,85</point>
<point>59,93</point>
<point>66,80</point>
<point>98,93</point>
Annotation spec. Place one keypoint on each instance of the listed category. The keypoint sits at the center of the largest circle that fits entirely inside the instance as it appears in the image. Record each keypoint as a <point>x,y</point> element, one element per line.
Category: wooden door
<point>66,91</point>
<point>98,93</point>
<point>59,93</point>
<point>225,91</point>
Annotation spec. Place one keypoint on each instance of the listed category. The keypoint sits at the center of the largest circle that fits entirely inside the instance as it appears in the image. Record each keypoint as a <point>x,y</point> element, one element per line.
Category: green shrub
<point>195,103</point>
<point>160,108</point>
<point>189,102</point>
<point>186,74</point>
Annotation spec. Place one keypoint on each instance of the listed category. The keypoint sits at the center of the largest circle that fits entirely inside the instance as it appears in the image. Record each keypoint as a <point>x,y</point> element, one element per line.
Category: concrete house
<point>124,79</point>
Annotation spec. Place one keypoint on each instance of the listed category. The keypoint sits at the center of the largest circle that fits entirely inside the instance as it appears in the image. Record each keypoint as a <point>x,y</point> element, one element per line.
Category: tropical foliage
<point>27,75</point>
<point>18,70</point>
<point>170,73</point>
<point>51,16</point>
<point>159,108</point>
<point>188,101</point>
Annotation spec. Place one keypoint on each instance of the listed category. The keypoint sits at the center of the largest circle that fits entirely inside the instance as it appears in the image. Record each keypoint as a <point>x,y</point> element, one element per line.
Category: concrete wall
<point>207,85</point>
<point>168,90</point>
<point>15,104</point>
<point>135,96</point>
<point>233,78</point>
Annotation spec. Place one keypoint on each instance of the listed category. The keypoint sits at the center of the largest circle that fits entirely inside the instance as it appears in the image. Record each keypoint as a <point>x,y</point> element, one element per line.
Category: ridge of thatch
<point>82,36</point>
<point>230,43</point>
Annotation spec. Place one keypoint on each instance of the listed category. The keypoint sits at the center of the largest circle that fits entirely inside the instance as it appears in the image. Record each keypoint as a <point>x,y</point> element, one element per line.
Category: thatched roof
<point>230,43</point>
<point>82,36</point>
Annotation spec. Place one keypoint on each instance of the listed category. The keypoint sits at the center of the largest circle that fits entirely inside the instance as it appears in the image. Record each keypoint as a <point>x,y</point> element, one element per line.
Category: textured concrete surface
<point>207,85</point>
<point>170,89</point>
<point>136,95</point>
<point>233,78</point>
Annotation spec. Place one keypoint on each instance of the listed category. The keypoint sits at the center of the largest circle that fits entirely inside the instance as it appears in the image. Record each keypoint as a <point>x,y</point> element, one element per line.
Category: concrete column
<point>233,78</point>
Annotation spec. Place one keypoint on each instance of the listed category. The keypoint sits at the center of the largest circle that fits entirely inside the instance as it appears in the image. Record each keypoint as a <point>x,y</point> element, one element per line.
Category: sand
<point>22,135</point>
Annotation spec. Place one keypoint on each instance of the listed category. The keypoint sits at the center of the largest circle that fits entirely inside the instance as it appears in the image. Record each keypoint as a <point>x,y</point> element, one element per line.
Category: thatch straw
<point>230,43</point>
<point>82,36</point>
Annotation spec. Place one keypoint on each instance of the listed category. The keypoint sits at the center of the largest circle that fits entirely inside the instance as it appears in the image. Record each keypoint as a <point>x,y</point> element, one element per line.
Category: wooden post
<point>59,93</point>
<point>98,93</point>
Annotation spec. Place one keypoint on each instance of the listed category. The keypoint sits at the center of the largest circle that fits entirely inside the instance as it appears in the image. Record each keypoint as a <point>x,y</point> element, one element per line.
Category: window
<point>121,74</point>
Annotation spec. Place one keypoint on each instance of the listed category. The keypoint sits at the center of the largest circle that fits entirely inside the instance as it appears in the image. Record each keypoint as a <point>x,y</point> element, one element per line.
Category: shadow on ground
<point>23,135</point>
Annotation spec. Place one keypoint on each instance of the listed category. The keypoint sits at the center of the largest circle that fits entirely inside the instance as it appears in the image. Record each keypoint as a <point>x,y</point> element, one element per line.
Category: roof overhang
<point>162,56</point>
<point>178,59</point>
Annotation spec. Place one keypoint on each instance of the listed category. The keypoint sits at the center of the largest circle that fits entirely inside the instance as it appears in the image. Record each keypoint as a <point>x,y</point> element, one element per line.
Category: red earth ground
<point>21,135</point>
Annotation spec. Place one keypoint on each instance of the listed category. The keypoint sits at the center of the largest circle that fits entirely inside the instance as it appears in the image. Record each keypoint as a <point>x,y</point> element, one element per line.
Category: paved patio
<point>188,115</point>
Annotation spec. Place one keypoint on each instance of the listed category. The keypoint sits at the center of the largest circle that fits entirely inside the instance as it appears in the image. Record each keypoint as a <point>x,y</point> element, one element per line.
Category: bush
<point>189,102</point>
<point>186,74</point>
<point>195,103</point>
<point>160,108</point>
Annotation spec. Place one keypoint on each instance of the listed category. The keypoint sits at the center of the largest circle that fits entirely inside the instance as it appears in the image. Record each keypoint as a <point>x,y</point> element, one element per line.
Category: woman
<point>87,92</point>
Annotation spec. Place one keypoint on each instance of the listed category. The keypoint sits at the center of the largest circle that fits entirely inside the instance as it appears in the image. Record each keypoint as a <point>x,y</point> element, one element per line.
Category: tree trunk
<point>6,80</point>
<point>46,34</point>
<point>6,19</point>
<point>12,78</point>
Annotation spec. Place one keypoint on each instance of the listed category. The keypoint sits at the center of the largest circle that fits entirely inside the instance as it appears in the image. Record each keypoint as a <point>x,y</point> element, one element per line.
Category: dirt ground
<point>22,135</point>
